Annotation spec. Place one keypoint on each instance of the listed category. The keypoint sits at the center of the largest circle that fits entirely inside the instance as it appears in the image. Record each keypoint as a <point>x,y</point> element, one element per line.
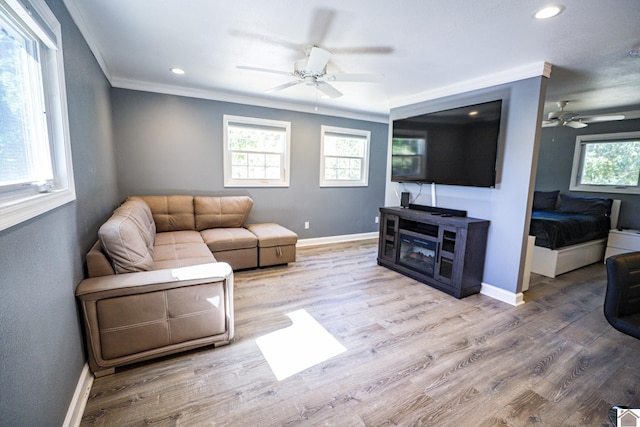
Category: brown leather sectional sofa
<point>161,275</point>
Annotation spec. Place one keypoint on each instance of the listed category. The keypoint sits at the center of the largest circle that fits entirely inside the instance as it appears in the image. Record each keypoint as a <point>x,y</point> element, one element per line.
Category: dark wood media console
<point>445,252</point>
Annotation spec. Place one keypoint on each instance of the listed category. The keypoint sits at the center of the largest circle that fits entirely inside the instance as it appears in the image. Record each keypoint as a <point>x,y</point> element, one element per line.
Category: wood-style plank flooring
<point>415,356</point>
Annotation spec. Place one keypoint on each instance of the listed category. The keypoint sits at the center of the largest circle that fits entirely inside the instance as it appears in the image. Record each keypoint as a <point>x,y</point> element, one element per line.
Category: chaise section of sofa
<point>220,221</point>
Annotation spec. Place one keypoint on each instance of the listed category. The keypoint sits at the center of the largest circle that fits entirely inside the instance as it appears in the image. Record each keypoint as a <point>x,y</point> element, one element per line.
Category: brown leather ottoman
<point>276,244</point>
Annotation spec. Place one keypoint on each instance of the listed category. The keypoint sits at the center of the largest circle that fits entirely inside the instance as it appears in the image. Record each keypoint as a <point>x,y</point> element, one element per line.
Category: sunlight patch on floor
<point>299,346</point>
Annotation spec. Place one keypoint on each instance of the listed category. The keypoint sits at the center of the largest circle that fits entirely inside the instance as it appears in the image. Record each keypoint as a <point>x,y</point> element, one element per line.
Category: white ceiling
<point>420,47</point>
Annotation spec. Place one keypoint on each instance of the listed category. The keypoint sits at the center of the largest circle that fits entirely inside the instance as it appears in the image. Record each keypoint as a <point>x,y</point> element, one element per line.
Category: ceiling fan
<point>575,120</point>
<point>312,71</point>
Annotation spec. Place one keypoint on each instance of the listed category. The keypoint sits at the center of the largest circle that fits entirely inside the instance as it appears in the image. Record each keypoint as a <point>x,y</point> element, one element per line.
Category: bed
<point>570,231</point>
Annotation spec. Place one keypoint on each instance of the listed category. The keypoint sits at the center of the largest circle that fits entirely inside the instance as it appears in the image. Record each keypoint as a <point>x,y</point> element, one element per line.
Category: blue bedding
<point>555,229</point>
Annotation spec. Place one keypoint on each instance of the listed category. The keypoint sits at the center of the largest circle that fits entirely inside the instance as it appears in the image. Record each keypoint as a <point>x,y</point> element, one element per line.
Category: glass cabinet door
<point>444,264</point>
<point>389,237</point>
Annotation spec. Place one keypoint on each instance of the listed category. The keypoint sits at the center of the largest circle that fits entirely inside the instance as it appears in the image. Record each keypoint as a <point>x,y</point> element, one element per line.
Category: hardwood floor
<point>415,356</point>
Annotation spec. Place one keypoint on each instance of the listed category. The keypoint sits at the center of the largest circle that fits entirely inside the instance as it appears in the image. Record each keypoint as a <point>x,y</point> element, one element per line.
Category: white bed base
<point>552,263</point>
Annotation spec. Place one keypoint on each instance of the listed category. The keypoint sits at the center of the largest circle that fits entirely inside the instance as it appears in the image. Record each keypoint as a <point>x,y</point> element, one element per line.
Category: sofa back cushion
<point>221,212</point>
<point>171,213</point>
<point>125,238</point>
<point>144,219</point>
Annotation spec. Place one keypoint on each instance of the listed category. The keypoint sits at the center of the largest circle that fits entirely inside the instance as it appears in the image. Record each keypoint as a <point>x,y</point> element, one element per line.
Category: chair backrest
<point>623,285</point>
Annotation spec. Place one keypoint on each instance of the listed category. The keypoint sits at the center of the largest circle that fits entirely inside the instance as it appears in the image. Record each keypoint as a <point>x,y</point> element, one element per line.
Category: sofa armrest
<point>143,339</point>
<point>97,288</point>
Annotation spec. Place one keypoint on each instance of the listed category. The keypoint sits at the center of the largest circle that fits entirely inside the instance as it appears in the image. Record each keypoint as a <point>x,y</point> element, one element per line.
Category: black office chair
<point>622,300</point>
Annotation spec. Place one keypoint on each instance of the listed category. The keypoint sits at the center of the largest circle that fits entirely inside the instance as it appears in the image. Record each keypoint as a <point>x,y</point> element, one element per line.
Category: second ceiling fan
<point>575,120</point>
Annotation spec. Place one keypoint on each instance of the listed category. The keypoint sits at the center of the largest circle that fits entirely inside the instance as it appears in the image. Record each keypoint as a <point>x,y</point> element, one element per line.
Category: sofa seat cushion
<point>228,239</point>
<point>271,234</point>
<point>183,262</point>
<point>179,249</point>
<point>175,237</point>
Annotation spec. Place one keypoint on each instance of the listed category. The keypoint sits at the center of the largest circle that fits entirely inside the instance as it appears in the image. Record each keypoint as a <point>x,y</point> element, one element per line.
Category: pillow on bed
<point>545,200</point>
<point>584,205</point>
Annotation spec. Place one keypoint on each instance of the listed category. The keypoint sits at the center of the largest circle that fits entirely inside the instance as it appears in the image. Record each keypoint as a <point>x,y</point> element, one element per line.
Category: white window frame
<point>19,203</point>
<point>578,156</point>
<point>363,181</point>
<point>283,181</point>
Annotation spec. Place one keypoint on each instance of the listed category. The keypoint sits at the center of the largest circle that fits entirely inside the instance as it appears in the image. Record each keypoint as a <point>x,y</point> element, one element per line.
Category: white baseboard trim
<point>336,239</point>
<point>502,295</point>
<point>80,397</point>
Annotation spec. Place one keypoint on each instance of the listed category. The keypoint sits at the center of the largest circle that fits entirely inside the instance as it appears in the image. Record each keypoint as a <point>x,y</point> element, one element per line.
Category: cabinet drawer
<point>624,240</point>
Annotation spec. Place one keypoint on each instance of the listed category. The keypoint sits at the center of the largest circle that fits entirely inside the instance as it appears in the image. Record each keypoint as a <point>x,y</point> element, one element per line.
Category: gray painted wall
<point>169,144</point>
<point>41,261</point>
<point>557,145</point>
<point>507,205</point>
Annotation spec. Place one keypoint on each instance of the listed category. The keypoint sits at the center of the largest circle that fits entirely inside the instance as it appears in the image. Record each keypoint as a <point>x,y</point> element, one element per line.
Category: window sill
<point>17,211</point>
<point>605,189</point>
<point>343,184</point>
<point>254,185</point>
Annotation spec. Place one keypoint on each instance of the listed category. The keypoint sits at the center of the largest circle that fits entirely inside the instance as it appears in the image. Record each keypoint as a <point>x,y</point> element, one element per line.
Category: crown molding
<point>246,100</point>
<point>78,18</point>
<point>514,74</point>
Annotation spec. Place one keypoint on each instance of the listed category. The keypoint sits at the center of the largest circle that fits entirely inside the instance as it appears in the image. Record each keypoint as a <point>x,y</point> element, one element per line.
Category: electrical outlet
<point>377,220</point>
<point>306,225</point>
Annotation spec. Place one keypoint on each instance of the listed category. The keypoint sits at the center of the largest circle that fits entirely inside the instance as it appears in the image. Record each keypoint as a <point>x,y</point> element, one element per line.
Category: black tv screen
<point>453,147</point>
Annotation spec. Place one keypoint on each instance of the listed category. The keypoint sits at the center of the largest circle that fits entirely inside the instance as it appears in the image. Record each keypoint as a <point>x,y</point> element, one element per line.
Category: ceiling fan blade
<point>318,59</point>
<point>363,50</point>
<point>320,25</point>
<point>550,123</point>
<point>601,118</point>
<point>328,90</point>
<point>567,115</point>
<point>354,77</point>
<point>267,39</point>
<point>284,86</point>
<point>264,70</point>
<point>575,124</point>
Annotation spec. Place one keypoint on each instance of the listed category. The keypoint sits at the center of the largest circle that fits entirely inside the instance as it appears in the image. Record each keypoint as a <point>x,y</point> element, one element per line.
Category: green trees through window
<point>611,163</point>
<point>256,152</point>
<point>344,157</point>
<point>607,163</point>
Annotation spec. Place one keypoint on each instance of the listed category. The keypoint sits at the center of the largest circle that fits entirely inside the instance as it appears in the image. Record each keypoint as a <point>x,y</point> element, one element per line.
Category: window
<point>256,152</point>
<point>607,163</point>
<point>35,157</point>
<point>344,159</point>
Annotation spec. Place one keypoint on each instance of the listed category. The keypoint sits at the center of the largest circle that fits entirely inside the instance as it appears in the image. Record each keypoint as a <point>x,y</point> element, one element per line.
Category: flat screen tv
<point>453,147</point>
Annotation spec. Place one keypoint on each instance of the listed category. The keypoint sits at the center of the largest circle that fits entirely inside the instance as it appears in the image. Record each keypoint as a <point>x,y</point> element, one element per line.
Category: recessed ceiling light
<point>473,113</point>
<point>548,11</point>
<point>177,71</point>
